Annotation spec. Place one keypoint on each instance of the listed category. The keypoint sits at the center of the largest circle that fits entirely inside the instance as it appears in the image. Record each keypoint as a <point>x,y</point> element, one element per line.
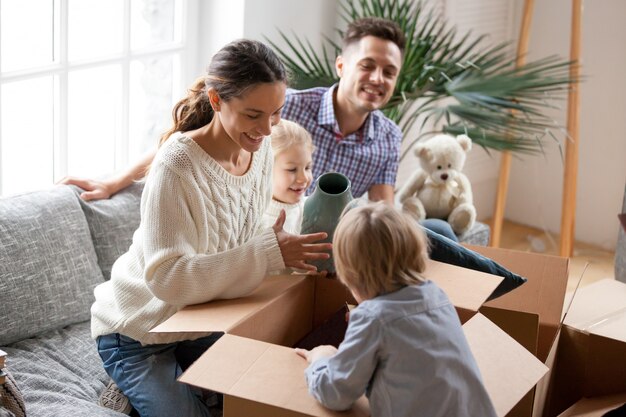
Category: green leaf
<point>455,83</point>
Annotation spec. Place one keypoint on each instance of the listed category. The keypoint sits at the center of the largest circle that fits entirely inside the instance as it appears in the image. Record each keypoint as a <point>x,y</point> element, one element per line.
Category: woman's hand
<point>324,351</point>
<point>297,249</point>
<point>94,190</point>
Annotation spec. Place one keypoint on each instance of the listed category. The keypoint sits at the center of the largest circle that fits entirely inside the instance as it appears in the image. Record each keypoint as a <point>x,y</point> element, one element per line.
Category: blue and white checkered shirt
<point>367,157</point>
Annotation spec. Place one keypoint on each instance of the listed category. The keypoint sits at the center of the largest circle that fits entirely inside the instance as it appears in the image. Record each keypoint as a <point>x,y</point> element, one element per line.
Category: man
<point>350,133</point>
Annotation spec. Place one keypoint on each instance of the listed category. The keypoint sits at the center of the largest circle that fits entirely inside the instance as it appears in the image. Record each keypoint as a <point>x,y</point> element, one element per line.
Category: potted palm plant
<point>450,84</point>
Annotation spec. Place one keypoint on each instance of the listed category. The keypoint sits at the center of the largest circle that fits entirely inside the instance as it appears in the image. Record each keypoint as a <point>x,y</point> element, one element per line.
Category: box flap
<point>260,372</point>
<point>509,371</point>
<point>543,294</point>
<point>600,309</point>
<point>595,407</point>
<point>466,288</point>
<point>223,315</point>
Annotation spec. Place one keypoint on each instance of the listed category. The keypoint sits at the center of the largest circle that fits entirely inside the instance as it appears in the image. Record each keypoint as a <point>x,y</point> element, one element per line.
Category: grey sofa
<point>54,249</point>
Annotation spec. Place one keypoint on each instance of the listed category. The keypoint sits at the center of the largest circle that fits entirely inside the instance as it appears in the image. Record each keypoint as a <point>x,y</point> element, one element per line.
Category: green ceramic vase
<point>323,209</point>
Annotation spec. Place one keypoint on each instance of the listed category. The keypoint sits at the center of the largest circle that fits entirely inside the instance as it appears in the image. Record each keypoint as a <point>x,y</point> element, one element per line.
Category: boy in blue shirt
<point>404,347</point>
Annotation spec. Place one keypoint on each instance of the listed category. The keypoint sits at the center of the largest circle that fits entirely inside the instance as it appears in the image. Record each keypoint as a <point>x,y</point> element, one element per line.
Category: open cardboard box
<point>591,355</point>
<point>256,369</point>
<point>532,313</point>
<point>596,407</point>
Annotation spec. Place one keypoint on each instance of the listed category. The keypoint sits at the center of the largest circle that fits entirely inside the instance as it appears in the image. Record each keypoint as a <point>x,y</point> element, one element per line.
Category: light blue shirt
<point>407,352</point>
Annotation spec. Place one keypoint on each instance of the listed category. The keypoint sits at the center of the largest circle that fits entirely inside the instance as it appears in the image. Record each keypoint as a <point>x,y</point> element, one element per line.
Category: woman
<point>200,236</point>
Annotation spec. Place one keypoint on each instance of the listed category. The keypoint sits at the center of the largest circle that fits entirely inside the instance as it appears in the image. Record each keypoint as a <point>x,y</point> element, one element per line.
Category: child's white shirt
<point>294,212</point>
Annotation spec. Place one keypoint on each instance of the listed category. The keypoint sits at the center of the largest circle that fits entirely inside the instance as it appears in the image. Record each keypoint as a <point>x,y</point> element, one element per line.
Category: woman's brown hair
<point>233,70</point>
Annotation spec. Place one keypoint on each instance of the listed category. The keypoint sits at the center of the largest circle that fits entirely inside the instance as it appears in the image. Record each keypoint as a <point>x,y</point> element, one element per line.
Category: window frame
<point>186,47</point>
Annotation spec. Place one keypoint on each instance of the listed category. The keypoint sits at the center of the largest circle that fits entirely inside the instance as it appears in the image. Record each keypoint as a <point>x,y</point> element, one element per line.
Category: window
<point>86,86</point>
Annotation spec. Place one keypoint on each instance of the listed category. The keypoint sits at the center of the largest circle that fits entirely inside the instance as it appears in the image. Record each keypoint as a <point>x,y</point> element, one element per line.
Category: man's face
<point>368,71</point>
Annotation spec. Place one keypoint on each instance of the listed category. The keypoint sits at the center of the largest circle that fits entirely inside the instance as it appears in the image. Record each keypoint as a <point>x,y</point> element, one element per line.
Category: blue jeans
<point>448,251</point>
<point>440,226</point>
<point>147,374</point>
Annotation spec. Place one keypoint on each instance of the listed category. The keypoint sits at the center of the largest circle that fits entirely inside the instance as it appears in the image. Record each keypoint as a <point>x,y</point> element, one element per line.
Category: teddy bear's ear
<point>465,142</point>
<point>422,151</point>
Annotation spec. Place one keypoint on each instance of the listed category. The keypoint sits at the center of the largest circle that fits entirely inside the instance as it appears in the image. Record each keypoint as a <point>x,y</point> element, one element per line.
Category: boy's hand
<point>324,351</point>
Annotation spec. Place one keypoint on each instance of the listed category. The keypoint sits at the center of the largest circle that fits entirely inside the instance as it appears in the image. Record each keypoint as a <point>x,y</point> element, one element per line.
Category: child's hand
<point>324,351</point>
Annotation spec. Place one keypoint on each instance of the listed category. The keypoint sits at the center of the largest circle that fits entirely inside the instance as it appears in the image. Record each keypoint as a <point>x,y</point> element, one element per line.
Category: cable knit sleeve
<point>183,265</point>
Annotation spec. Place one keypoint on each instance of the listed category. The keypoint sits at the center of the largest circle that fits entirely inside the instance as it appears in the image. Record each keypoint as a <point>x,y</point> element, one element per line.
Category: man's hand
<point>297,249</point>
<point>324,351</point>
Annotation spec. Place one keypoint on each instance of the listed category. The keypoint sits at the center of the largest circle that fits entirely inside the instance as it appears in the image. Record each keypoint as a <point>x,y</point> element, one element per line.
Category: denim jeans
<point>440,226</point>
<point>147,374</point>
<point>445,250</point>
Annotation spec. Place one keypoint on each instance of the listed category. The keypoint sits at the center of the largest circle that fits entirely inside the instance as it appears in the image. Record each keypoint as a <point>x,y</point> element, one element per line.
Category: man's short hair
<point>377,27</point>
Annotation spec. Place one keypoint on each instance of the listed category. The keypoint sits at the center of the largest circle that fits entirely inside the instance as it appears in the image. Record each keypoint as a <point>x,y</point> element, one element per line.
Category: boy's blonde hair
<point>378,249</point>
<point>286,134</point>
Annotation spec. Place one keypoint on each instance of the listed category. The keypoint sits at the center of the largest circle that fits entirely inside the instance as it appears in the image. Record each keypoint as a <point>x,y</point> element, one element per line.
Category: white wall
<point>222,21</point>
<point>536,186</point>
<point>219,22</point>
<point>308,19</point>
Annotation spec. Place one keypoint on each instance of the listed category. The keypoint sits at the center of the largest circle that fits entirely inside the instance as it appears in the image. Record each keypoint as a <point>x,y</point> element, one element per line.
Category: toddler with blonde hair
<point>292,174</point>
<point>404,347</point>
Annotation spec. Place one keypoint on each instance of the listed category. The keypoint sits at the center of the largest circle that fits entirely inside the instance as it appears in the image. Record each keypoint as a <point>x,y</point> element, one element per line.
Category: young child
<point>404,347</point>
<point>292,174</point>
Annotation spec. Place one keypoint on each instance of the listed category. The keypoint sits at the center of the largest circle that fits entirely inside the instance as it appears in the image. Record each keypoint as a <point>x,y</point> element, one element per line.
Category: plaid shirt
<point>367,157</point>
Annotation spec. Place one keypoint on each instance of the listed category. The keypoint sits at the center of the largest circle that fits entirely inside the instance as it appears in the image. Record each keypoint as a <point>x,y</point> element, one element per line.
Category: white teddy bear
<point>438,189</point>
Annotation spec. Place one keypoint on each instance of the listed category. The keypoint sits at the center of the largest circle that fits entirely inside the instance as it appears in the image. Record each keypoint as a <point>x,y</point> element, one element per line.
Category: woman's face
<point>249,119</point>
<point>292,174</point>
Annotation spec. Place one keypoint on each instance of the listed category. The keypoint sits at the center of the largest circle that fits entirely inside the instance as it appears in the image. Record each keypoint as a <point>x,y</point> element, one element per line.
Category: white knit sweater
<point>200,238</point>
<point>294,213</point>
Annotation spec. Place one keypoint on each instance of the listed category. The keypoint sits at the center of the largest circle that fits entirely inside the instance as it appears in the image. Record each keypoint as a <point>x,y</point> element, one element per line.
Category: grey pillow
<point>112,223</point>
<point>48,266</point>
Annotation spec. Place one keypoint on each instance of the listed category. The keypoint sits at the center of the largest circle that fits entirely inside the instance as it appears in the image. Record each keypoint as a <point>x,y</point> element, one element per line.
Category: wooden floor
<point>599,263</point>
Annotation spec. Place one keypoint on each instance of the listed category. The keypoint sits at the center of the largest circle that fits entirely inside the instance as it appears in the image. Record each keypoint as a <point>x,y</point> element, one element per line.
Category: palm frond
<point>456,83</point>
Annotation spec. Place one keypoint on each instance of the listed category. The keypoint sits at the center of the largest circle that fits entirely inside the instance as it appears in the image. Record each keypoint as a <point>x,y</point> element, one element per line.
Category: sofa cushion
<point>60,373</point>
<point>48,266</point>
<point>112,223</point>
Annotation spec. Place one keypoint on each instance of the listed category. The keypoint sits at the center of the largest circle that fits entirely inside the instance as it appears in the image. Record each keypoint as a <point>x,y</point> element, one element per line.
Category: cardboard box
<point>591,354</point>
<point>256,369</point>
<point>532,314</point>
<point>597,407</point>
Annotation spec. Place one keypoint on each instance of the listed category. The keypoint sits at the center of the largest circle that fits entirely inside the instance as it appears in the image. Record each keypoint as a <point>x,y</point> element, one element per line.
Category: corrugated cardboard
<point>273,306</point>
<point>330,294</point>
<point>542,296</point>
<point>591,354</point>
<point>595,407</point>
<point>252,373</point>
<point>279,311</point>
<point>509,371</point>
<point>265,380</point>
<point>532,313</point>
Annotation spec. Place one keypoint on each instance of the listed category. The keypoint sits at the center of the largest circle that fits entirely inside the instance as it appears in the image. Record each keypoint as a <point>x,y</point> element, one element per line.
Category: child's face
<point>292,174</point>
